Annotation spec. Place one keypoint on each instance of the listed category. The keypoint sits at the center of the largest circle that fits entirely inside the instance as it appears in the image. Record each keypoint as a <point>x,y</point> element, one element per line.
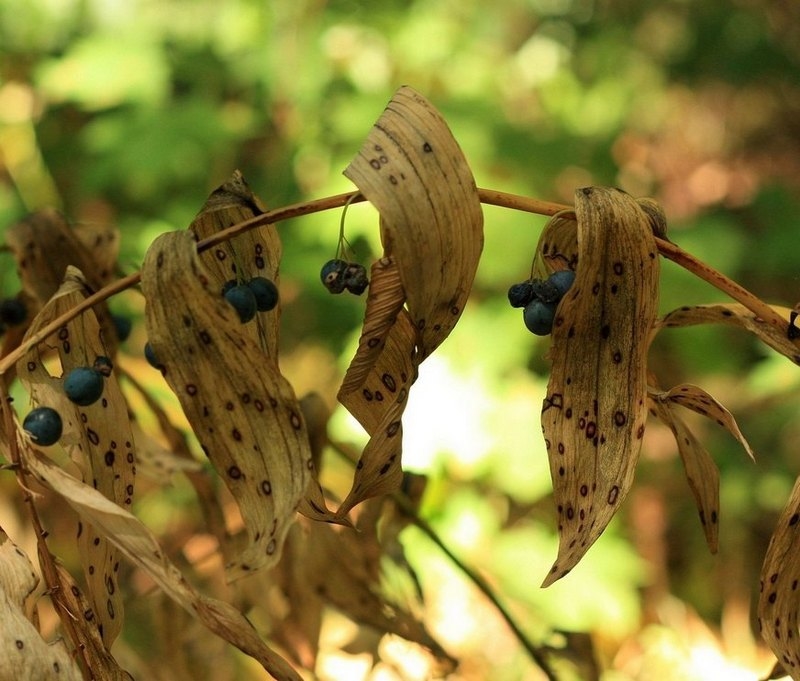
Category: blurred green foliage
<point>130,113</point>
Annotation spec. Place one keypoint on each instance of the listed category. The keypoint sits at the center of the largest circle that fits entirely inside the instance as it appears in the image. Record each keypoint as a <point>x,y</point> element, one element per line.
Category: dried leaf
<point>702,473</point>
<point>24,652</point>
<point>255,253</point>
<point>243,411</point>
<point>779,599</point>
<point>411,168</point>
<point>98,437</point>
<point>141,548</point>
<point>558,245</point>
<point>734,314</point>
<point>594,413</point>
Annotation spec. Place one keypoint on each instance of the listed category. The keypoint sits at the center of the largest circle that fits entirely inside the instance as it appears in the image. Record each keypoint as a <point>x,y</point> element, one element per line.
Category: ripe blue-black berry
<point>123,326</point>
<point>333,275</point>
<point>84,385</point>
<point>243,300</point>
<point>150,356</point>
<point>266,293</point>
<point>228,285</point>
<point>12,311</point>
<point>519,295</point>
<point>44,426</point>
<point>562,280</point>
<point>355,278</point>
<point>539,316</point>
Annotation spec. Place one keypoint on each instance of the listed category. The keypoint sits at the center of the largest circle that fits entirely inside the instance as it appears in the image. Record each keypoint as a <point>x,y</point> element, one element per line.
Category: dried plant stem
<point>488,196</point>
<point>536,653</point>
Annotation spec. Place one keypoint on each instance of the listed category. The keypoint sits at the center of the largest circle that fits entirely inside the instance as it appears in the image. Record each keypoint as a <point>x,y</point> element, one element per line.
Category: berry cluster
<point>540,299</point>
<point>259,294</point>
<point>338,275</point>
<point>83,386</point>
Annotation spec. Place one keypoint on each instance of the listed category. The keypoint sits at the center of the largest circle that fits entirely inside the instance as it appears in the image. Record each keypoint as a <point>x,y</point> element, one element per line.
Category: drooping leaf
<point>735,314</point>
<point>779,598</point>
<point>141,548</point>
<point>255,253</point>
<point>23,651</point>
<point>593,416</point>
<point>413,171</point>
<point>243,411</point>
<point>98,437</point>
<point>702,473</point>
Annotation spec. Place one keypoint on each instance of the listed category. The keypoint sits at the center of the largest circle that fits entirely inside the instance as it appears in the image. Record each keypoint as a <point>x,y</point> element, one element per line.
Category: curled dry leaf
<point>24,653</point>
<point>734,314</point>
<point>44,245</point>
<point>255,253</point>
<point>411,168</point>
<point>593,416</point>
<point>413,171</point>
<point>243,411</point>
<point>779,599</point>
<point>141,548</point>
<point>98,437</point>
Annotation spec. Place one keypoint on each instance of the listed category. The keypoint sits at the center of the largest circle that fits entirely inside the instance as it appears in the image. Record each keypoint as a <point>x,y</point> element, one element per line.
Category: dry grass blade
<point>98,437</point>
<point>593,416</point>
<point>414,172</point>
<point>734,314</point>
<point>702,473</point>
<point>26,655</point>
<point>141,548</point>
<point>255,253</point>
<point>243,411</point>
<point>779,600</point>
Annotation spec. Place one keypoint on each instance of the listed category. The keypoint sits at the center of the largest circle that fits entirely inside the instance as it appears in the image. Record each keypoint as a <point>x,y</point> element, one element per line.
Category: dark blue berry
<point>150,356</point>
<point>243,300</point>
<point>12,311</point>
<point>562,280</point>
<point>355,278</point>
<point>44,426</point>
<point>519,295</point>
<point>123,326</point>
<point>539,316</point>
<point>266,293</point>
<point>228,285</point>
<point>333,275</point>
<point>84,385</point>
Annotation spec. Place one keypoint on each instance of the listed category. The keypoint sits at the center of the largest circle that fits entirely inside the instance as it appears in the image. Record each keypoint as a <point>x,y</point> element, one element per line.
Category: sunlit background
<point>130,112</point>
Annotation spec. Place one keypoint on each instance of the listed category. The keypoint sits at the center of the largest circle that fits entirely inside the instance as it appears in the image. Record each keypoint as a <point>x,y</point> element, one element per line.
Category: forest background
<point>131,113</point>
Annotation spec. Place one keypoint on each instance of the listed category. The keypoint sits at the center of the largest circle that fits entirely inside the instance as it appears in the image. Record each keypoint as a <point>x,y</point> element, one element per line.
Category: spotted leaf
<point>255,253</point>
<point>98,437</point>
<point>594,413</point>
<point>141,548</point>
<point>24,653</point>
<point>243,411</point>
<point>413,171</point>
<point>734,314</point>
<point>779,599</point>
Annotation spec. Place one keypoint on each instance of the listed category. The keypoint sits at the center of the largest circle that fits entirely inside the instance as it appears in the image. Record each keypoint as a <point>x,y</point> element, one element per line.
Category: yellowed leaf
<point>98,437</point>
<point>141,548</point>
<point>243,411</point>
<point>734,314</point>
<point>412,169</point>
<point>23,651</point>
<point>593,416</point>
<point>779,598</point>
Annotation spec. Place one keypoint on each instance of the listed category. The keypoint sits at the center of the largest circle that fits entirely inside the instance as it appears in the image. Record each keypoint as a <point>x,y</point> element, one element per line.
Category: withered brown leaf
<point>593,416</point>
<point>98,437</point>
<point>779,599</point>
<point>243,411</point>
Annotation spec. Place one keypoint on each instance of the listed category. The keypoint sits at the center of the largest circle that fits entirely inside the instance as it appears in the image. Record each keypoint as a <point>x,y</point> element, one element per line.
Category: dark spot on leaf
<point>619,418</point>
<point>266,487</point>
<point>613,493</point>
<point>234,472</point>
